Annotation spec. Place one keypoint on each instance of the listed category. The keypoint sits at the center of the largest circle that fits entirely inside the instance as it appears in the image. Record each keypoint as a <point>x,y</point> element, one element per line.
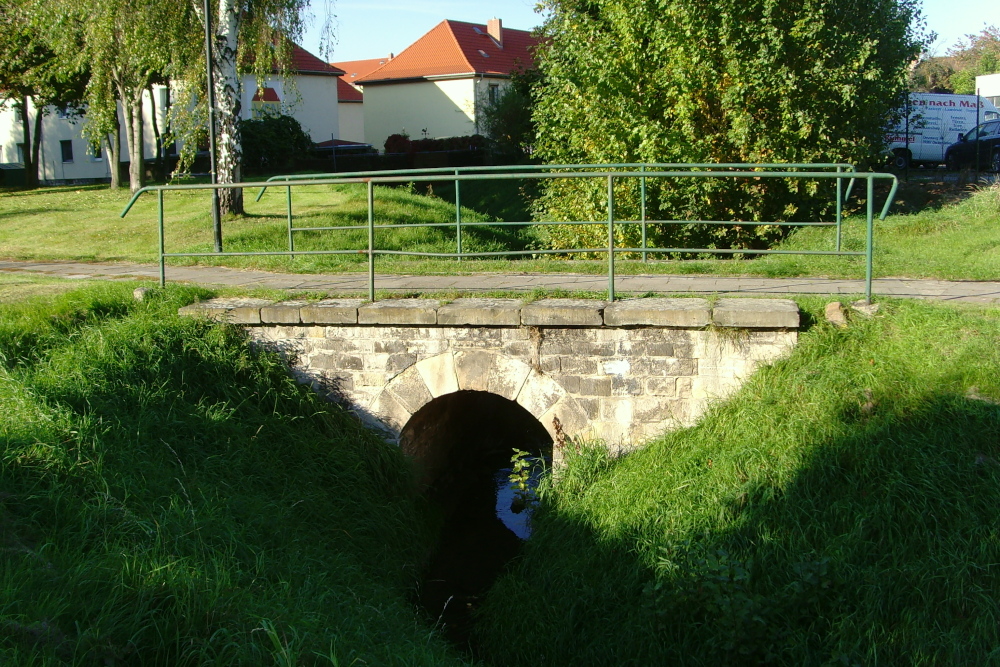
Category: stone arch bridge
<point>622,372</point>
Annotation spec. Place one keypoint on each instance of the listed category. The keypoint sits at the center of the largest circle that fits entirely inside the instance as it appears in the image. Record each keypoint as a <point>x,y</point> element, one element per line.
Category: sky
<point>376,28</point>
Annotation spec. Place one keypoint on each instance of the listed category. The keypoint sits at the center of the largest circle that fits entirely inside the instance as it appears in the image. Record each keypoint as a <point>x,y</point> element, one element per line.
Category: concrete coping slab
<point>283,312</point>
<point>678,312</point>
<point>564,313</point>
<point>331,311</point>
<point>480,312</point>
<point>236,310</point>
<point>756,313</point>
<point>399,311</point>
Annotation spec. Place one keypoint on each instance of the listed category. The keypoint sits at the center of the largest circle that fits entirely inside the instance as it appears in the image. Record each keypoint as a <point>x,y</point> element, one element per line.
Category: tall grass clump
<point>841,509</point>
<point>169,496</point>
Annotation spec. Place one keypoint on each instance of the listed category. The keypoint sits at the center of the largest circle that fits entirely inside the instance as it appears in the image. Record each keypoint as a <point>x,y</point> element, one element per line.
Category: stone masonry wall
<point>621,372</point>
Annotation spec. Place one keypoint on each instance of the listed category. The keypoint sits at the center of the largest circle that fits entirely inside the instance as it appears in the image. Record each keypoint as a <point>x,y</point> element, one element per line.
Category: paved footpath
<point>967,291</point>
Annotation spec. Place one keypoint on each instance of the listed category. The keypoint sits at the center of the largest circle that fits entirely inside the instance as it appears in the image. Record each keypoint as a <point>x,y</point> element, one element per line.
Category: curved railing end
<point>128,206</point>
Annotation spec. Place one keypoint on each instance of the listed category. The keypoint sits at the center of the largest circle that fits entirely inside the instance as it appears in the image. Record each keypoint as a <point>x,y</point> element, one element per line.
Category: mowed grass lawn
<point>956,241</point>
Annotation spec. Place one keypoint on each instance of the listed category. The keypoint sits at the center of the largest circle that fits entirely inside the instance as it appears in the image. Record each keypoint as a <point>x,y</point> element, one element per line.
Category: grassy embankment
<point>169,496</point>
<point>959,241</point>
<point>841,509</point>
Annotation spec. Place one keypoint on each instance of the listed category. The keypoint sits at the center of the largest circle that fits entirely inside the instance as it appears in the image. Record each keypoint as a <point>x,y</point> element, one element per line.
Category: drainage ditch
<point>462,445</point>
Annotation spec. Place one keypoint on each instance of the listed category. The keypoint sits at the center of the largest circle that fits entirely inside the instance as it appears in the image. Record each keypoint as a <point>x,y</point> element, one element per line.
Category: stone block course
<point>564,313</point>
<point>658,312</point>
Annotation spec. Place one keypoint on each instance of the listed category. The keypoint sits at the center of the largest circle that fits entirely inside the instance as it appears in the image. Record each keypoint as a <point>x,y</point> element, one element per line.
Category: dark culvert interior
<point>462,444</point>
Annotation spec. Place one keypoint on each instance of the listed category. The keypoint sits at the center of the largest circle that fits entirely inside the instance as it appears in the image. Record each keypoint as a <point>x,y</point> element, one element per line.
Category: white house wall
<point>352,121</point>
<point>56,129</point>
<point>444,108</point>
<point>312,101</point>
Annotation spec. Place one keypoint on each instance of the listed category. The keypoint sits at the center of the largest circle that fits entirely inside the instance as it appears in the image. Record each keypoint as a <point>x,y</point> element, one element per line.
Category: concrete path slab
<point>964,291</point>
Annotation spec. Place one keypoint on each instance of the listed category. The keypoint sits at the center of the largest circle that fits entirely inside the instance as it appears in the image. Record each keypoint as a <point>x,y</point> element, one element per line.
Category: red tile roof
<point>270,95</point>
<point>304,62</point>
<point>455,47</point>
<point>348,93</point>
<point>355,69</point>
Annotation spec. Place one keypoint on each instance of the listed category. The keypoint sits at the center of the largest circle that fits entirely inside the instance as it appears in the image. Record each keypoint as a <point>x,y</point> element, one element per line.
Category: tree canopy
<point>974,56</point>
<point>739,81</point>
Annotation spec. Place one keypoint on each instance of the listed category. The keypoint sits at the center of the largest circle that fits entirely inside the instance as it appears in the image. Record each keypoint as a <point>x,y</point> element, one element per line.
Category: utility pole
<point>216,216</point>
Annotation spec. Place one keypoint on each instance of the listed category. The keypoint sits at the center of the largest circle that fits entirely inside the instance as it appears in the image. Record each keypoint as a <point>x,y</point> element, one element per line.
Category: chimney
<point>494,28</point>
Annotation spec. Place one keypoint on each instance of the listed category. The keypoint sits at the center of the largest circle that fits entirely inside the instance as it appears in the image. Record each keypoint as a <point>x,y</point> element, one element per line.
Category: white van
<point>935,122</point>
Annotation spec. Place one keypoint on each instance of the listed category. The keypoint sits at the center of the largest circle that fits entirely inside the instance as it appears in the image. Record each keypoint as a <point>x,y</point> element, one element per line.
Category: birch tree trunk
<point>132,106</point>
<point>36,145</point>
<point>161,172</point>
<point>114,141</point>
<point>228,106</point>
<point>30,166</point>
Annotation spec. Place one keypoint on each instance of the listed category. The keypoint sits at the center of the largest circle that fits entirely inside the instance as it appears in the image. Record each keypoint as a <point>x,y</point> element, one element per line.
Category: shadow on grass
<point>185,489</point>
<point>881,549</point>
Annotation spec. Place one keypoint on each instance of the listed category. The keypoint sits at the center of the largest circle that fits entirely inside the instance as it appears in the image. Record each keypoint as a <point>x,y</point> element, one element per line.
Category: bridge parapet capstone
<point>621,372</point>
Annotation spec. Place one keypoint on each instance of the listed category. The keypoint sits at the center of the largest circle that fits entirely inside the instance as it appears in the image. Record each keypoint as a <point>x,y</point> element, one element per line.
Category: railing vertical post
<point>371,241</point>
<point>871,236</point>
<point>458,217</point>
<point>611,238</point>
<point>163,260</point>
<point>291,241</point>
<point>840,206</point>
<point>642,210</point>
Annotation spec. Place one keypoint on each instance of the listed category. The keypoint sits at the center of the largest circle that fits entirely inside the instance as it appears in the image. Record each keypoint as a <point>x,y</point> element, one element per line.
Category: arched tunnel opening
<point>462,445</point>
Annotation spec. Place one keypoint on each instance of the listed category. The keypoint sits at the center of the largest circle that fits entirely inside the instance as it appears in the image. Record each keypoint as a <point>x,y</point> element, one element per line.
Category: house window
<point>66,146</point>
<point>20,153</point>
<point>494,92</point>
<point>97,154</point>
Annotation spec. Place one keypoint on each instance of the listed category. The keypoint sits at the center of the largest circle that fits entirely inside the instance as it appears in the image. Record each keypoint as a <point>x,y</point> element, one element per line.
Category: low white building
<point>66,156</point>
<point>437,87</point>
<point>351,98</point>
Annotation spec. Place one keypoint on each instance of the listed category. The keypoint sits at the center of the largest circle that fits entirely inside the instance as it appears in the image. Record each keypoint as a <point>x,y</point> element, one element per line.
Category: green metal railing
<point>546,172</point>
<point>528,168</point>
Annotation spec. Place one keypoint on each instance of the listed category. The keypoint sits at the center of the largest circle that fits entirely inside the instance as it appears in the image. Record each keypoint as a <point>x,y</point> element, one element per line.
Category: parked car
<point>985,139</point>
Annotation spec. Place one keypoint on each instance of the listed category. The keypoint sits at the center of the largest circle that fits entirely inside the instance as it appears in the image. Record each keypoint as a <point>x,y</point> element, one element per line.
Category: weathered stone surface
<point>756,313</point>
<point>864,308</point>
<point>472,367</point>
<point>410,390</point>
<point>331,311</point>
<point>235,310</point>
<point>284,312</point>
<point>618,384</point>
<point>399,311</point>
<point>141,293</point>
<point>507,375</point>
<point>539,393</point>
<point>658,312</point>
<point>481,312</point>
<point>439,374</point>
<point>564,313</point>
<point>834,313</point>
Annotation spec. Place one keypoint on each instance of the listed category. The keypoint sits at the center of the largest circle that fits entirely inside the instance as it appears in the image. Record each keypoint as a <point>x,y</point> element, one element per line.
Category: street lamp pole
<point>216,216</point>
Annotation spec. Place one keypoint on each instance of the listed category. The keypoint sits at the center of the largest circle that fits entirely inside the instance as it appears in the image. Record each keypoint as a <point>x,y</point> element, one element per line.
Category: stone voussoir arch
<point>477,370</point>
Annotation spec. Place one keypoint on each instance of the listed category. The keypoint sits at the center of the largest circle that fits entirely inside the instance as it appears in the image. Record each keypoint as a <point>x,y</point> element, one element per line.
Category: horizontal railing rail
<point>610,173</point>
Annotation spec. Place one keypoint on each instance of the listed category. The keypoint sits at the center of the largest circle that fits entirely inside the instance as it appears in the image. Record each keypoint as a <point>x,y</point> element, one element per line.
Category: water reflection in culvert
<point>462,445</point>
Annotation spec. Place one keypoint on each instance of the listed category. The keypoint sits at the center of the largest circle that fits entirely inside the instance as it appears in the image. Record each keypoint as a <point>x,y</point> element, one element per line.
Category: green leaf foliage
<point>272,142</point>
<point>741,81</point>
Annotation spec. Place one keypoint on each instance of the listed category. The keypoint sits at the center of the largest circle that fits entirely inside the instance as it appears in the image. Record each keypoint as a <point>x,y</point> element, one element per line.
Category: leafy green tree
<point>256,35</point>
<point>31,76</point>
<point>272,142</point>
<point>974,56</point>
<point>734,81</point>
<point>933,75</point>
<point>507,119</point>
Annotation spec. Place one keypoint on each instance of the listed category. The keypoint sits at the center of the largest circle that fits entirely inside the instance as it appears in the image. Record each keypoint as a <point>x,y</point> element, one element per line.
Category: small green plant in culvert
<point>838,509</point>
<point>170,496</point>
